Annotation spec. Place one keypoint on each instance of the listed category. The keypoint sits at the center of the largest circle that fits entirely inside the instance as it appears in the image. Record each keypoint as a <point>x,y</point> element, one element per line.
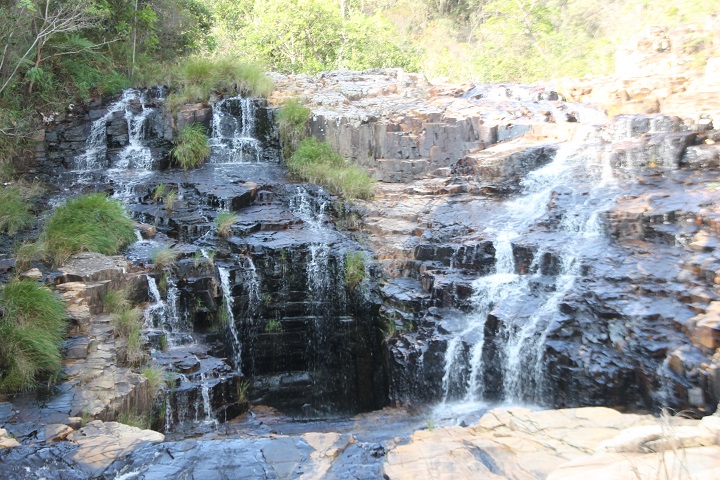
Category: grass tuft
<point>316,162</point>
<point>164,258</point>
<point>354,269</point>
<point>292,121</point>
<point>15,207</point>
<point>115,301</point>
<point>191,149</point>
<point>32,326</point>
<point>199,77</point>
<point>224,223</point>
<point>90,223</point>
<point>155,375</point>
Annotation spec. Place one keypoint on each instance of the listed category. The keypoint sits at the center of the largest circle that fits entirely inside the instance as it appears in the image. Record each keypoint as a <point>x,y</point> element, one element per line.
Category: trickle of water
<point>228,303</point>
<point>233,131</point>
<point>252,284</point>
<point>317,267</point>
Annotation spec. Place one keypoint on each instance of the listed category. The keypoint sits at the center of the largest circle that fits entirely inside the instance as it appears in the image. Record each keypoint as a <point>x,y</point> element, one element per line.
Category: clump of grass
<point>197,78</point>
<point>90,223</point>
<point>273,326</point>
<point>224,223</point>
<point>159,193</point>
<point>128,326</point>
<point>155,375</point>
<point>316,162</point>
<point>170,200</point>
<point>191,148</point>
<point>138,420</point>
<point>242,388</point>
<point>32,325</point>
<point>354,269</point>
<point>164,258</point>
<point>15,207</point>
<point>391,330</point>
<point>292,121</point>
<point>115,301</point>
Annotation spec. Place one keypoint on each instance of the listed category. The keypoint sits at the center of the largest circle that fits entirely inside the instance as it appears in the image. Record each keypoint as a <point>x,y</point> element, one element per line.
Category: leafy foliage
<point>92,223</point>
<point>191,148</point>
<point>316,162</point>
<point>32,326</point>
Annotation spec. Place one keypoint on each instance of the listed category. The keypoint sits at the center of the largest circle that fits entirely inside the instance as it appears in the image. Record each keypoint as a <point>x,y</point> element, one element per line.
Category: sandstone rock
<point>56,432</point>
<point>100,444</point>
<point>6,441</point>
<point>32,274</point>
<point>583,443</point>
<point>74,422</point>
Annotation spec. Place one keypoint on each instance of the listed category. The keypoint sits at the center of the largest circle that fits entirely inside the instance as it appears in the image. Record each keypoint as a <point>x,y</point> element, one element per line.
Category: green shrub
<point>15,207</point>
<point>191,148</point>
<point>316,162</point>
<point>354,269</point>
<point>292,121</point>
<point>224,223</point>
<point>32,327</point>
<point>90,223</point>
<point>164,258</point>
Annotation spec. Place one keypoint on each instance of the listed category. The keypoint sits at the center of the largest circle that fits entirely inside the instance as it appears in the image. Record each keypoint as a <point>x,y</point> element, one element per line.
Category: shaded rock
<point>56,432</point>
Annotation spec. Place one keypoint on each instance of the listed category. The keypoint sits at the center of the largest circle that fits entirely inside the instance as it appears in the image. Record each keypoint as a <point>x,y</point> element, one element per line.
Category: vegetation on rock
<point>292,121</point>
<point>224,223</point>
<point>354,269</point>
<point>15,207</point>
<point>191,148</point>
<point>92,223</point>
<point>164,258</point>
<point>32,326</point>
<point>316,162</point>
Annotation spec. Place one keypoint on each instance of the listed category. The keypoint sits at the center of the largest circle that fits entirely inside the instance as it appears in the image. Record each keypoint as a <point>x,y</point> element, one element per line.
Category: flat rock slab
<point>101,444</point>
<point>583,443</point>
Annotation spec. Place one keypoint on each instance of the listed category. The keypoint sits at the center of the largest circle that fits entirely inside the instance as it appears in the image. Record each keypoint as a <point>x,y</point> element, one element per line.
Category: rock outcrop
<point>562,444</point>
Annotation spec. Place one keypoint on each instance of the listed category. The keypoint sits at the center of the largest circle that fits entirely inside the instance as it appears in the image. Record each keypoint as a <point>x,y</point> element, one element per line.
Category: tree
<point>34,23</point>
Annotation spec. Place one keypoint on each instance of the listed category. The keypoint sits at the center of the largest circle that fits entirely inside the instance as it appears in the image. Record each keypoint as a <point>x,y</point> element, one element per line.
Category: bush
<point>91,223</point>
<point>224,223</point>
<point>191,148</point>
<point>15,203</point>
<point>292,122</point>
<point>354,269</point>
<point>32,326</point>
<point>316,162</point>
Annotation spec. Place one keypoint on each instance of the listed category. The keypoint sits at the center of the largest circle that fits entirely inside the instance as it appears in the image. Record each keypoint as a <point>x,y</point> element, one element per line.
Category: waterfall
<point>577,186</point>
<point>252,284</point>
<point>233,131</point>
<point>164,314</point>
<point>228,302</point>
<point>319,279</point>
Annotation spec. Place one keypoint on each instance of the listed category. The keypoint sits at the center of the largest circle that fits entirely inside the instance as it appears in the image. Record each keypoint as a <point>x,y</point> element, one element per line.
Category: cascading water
<point>233,131</point>
<point>576,186</point>
<point>164,316</point>
<point>228,303</point>
<point>317,267</point>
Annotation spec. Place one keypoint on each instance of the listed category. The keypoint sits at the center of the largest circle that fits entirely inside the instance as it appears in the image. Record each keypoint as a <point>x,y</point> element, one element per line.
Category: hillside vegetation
<point>57,52</point>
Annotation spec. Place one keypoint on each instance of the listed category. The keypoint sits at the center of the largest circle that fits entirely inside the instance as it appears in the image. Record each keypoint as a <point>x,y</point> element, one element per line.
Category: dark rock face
<point>625,333</point>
